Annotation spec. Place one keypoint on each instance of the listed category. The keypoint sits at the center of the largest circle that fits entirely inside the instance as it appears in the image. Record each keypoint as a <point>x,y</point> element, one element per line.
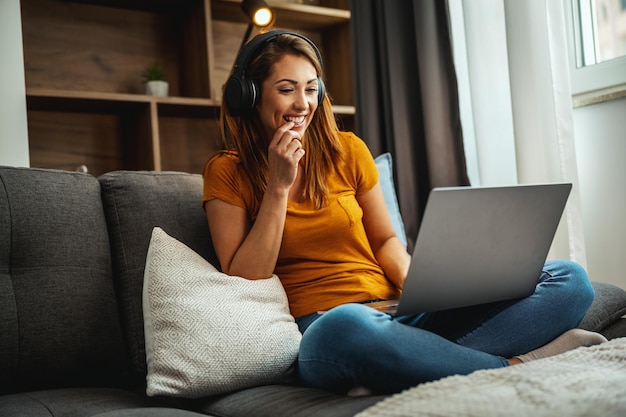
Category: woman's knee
<point>574,276</point>
<point>575,286</point>
<point>334,345</point>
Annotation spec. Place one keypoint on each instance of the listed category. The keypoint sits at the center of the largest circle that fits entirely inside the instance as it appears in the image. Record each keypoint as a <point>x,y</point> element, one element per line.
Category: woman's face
<point>289,94</point>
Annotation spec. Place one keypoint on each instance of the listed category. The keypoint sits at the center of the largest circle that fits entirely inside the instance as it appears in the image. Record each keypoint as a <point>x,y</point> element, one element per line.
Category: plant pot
<point>157,88</point>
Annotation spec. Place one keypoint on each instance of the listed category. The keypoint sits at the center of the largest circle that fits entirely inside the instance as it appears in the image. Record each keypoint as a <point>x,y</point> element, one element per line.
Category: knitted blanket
<point>582,382</point>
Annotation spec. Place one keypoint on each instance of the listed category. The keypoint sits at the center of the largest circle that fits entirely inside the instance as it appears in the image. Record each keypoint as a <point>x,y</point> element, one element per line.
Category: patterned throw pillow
<point>208,333</point>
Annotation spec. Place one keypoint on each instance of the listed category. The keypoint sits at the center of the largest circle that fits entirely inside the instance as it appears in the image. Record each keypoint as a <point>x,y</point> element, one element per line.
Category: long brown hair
<point>244,133</point>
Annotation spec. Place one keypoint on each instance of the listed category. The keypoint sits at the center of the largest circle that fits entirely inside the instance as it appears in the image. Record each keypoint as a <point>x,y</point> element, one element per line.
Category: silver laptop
<point>478,245</point>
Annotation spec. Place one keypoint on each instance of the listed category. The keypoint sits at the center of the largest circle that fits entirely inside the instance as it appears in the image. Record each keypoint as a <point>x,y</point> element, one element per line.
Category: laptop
<point>479,245</point>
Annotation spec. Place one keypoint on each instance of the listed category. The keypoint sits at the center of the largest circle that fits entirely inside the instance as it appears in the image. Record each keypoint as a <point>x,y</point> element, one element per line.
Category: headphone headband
<point>241,94</point>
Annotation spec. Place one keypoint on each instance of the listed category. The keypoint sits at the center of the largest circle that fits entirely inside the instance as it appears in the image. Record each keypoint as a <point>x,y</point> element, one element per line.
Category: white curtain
<point>535,62</point>
<point>13,122</point>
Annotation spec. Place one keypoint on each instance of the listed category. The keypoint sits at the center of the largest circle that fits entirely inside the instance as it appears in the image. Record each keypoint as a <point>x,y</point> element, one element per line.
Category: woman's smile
<point>298,121</point>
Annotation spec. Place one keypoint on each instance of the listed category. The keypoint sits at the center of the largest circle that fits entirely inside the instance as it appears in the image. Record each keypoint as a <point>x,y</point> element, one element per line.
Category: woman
<point>296,197</point>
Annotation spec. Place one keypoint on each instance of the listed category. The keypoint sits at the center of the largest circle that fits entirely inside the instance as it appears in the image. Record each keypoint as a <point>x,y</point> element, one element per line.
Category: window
<point>602,30</point>
<point>597,31</point>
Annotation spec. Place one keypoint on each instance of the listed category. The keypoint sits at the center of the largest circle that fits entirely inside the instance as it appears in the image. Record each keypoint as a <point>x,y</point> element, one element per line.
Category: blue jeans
<point>354,345</point>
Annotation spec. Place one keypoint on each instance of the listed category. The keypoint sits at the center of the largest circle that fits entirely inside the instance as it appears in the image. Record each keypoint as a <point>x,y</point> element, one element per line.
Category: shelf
<point>90,101</point>
<point>83,61</point>
<point>344,110</point>
<point>82,46</point>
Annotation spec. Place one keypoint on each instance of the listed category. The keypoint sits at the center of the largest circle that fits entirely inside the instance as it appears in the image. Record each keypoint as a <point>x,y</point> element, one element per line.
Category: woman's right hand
<point>284,153</point>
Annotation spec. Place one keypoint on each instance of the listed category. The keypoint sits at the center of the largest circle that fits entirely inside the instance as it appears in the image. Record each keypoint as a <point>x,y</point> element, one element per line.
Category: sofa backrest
<point>134,203</point>
<point>59,324</point>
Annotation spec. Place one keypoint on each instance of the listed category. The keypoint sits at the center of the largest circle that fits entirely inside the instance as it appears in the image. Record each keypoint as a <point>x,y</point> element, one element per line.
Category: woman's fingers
<point>287,142</point>
<point>285,152</point>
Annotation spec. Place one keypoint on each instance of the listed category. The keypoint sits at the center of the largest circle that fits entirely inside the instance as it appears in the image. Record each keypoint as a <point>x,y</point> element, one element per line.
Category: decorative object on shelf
<point>154,81</point>
<point>259,14</point>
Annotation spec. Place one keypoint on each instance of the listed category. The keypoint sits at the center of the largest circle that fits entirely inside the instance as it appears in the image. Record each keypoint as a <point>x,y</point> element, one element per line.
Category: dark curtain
<point>406,96</point>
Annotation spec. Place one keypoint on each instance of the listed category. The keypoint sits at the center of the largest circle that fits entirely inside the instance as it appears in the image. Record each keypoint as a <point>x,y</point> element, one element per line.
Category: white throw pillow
<point>210,333</point>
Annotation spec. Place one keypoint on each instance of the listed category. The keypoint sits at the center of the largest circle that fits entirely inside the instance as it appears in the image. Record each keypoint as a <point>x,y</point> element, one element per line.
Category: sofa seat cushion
<point>59,325</point>
<point>285,400</point>
<point>150,412</point>
<point>81,402</point>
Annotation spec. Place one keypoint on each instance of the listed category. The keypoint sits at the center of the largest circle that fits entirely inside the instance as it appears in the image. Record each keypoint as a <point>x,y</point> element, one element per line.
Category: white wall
<point>600,131</point>
<point>13,125</point>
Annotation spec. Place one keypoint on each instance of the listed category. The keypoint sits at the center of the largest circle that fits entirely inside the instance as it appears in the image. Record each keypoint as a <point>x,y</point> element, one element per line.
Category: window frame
<point>593,83</point>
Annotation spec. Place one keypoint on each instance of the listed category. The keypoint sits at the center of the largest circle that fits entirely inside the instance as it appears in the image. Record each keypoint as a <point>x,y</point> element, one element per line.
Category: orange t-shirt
<point>325,258</point>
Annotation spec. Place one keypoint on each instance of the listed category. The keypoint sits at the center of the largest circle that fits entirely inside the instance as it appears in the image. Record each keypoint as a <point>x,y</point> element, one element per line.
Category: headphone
<point>242,94</point>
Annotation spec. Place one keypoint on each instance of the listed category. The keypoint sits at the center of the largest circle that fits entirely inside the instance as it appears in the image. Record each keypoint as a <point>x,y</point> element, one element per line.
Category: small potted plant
<point>154,81</point>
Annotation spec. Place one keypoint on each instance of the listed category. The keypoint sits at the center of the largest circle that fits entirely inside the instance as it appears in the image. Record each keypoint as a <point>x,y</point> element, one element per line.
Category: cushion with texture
<point>207,332</point>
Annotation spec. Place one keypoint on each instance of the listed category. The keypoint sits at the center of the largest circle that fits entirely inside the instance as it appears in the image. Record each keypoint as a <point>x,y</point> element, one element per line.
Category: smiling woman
<point>295,197</point>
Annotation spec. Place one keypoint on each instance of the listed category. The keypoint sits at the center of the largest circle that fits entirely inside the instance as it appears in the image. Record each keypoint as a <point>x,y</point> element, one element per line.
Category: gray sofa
<point>72,255</point>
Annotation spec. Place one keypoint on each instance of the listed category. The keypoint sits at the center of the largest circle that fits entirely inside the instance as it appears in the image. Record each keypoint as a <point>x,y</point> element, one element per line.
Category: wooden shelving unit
<point>83,65</point>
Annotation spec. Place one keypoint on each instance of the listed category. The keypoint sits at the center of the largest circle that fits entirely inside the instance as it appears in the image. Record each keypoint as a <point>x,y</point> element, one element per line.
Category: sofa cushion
<point>283,400</point>
<point>134,203</point>
<point>150,412</point>
<point>59,324</point>
<point>609,304</point>
<point>83,402</point>
<point>208,333</point>
<point>615,330</point>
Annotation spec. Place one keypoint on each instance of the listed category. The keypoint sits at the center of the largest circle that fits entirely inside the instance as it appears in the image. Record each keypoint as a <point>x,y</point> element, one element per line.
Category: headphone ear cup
<point>321,91</point>
<point>240,95</point>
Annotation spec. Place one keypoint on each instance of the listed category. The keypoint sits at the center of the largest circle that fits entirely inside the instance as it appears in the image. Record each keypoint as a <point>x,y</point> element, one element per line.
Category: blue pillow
<point>385,172</point>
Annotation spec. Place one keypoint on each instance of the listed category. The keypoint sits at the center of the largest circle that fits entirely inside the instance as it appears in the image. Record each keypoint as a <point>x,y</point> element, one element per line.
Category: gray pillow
<point>607,307</point>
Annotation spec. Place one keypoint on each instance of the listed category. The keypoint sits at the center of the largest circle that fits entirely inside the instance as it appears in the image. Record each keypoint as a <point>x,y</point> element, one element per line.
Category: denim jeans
<point>355,345</point>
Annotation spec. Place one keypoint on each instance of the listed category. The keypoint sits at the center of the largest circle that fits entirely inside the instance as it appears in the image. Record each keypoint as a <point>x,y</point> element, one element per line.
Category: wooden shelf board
<point>347,110</point>
<point>161,6</point>
<point>89,101</point>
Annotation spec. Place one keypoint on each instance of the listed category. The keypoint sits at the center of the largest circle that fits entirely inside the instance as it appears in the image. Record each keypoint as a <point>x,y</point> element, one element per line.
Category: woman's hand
<point>284,153</point>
